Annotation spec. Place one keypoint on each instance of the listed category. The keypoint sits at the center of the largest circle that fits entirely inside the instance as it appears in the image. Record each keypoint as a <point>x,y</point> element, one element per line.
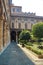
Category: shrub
<point>24,36</point>
<point>40,47</point>
<point>36,51</point>
<point>28,47</point>
<point>29,44</point>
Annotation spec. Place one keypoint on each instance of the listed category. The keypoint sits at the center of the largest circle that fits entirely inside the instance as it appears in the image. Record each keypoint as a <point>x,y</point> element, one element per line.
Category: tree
<point>24,36</point>
<point>37,30</point>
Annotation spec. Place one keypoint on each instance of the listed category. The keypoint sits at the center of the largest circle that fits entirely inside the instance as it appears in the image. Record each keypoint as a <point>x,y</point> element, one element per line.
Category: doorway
<point>13,35</point>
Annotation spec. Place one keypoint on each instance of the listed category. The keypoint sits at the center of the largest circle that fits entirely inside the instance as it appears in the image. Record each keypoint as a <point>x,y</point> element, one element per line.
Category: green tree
<point>37,30</point>
<point>24,36</point>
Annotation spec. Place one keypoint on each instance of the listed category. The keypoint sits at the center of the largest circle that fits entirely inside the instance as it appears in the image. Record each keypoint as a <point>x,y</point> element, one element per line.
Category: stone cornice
<point>34,17</point>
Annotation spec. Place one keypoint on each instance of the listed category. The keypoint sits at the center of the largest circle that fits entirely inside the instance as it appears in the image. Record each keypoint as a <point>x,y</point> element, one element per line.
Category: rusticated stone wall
<point>6,34</point>
<point>1,34</point>
<point>4,27</point>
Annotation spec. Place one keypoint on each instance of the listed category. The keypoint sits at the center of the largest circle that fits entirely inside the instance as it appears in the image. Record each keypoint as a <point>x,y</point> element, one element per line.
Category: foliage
<point>38,52</point>
<point>40,47</point>
<point>37,30</point>
<point>29,44</point>
<point>24,36</point>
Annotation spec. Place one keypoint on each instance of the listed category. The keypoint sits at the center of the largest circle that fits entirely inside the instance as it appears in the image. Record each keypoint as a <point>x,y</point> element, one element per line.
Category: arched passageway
<point>13,35</point>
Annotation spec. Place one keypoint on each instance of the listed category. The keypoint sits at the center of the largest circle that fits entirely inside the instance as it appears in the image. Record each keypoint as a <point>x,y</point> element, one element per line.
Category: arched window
<point>25,25</point>
<point>12,25</point>
<point>19,25</point>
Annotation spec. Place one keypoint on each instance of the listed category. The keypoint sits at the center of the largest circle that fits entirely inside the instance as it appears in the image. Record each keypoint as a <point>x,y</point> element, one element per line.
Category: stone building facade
<point>4,24</point>
<point>13,21</point>
<point>21,20</point>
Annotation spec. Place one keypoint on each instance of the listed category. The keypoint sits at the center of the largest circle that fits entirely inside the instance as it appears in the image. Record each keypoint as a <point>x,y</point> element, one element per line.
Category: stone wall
<point>22,24</point>
<point>4,27</point>
<point>1,34</point>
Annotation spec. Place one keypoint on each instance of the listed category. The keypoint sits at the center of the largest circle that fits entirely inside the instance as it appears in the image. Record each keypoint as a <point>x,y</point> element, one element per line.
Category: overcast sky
<point>35,6</point>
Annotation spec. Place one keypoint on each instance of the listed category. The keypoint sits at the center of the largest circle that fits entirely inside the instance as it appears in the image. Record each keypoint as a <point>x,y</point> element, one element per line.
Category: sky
<point>35,6</point>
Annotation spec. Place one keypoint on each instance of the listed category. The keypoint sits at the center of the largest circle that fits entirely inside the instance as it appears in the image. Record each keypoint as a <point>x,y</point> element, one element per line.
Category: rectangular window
<point>18,9</point>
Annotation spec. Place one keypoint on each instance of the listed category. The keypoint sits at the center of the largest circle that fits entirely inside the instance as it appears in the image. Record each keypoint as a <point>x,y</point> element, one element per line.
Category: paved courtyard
<point>13,55</point>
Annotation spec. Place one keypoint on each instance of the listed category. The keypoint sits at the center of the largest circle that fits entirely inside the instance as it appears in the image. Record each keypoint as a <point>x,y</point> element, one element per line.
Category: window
<point>25,25</point>
<point>12,25</point>
<point>19,25</point>
<point>18,10</point>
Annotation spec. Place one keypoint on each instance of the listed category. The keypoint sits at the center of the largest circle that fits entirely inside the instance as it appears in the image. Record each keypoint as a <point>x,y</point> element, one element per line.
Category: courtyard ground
<point>14,55</point>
